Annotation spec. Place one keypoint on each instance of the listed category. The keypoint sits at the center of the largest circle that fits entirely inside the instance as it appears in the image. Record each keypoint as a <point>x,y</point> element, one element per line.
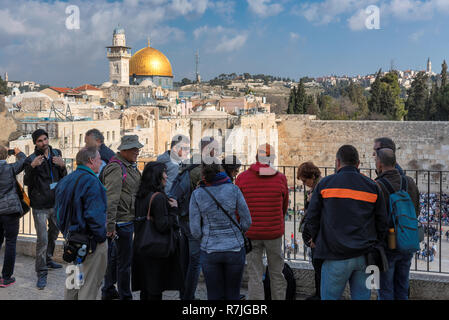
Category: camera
<point>11,152</point>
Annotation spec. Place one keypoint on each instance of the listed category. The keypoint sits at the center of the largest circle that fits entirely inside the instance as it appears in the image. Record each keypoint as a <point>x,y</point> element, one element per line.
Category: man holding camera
<point>10,211</point>
<point>43,170</point>
<point>81,207</point>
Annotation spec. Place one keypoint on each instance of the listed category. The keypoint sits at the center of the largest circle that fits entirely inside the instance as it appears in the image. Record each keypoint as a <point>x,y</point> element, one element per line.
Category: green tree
<point>432,103</point>
<point>185,82</point>
<point>385,98</point>
<point>444,74</point>
<point>374,101</point>
<point>417,103</point>
<point>292,101</point>
<point>4,90</point>
<point>301,97</point>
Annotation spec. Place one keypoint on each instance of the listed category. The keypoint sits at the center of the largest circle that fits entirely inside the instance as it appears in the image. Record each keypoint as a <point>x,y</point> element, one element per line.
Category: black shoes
<point>54,265</point>
<point>114,295</point>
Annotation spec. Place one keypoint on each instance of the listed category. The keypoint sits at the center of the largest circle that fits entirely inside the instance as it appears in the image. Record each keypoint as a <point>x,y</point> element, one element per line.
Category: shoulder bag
<point>149,241</point>
<point>246,240</point>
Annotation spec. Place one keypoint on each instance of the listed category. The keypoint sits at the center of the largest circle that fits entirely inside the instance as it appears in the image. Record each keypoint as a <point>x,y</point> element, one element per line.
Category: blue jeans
<point>335,274</point>
<point>46,239</point>
<point>395,282</point>
<point>110,278</point>
<point>223,272</point>
<point>9,225</point>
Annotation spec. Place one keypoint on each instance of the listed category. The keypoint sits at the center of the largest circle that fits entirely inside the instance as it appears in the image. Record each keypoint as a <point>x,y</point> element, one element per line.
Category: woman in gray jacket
<point>222,249</point>
<point>10,212</point>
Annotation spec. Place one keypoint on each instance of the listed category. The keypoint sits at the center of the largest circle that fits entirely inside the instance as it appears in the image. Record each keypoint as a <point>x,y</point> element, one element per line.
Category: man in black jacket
<point>346,217</point>
<point>43,169</point>
<point>394,283</point>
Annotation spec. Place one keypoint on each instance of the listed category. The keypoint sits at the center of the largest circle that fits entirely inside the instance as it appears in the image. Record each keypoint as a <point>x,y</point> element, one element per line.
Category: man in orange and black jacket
<point>346,218</point>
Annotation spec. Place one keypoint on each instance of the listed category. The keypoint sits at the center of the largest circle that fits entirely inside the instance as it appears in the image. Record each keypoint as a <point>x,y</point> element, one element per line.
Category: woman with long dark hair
<point>153,275</point>
<point>231,165</point>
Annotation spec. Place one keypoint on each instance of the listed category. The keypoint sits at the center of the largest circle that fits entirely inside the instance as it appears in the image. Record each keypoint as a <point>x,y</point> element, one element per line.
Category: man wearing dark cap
<point>121,179</point>
<point>43,169</point>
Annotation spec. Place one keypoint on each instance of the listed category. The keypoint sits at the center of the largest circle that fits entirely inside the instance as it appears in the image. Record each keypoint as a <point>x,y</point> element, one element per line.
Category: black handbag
<point>247,242</point>
<point>23,197</point>
<point>148,241</point>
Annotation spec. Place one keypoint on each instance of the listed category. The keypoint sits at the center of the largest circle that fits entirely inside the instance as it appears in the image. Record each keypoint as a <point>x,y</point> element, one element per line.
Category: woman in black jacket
<point>153,275</point>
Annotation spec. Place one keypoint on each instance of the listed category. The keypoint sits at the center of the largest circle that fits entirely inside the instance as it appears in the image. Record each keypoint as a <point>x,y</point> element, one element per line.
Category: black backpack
<point>180,189</point>
<point>291,283</point>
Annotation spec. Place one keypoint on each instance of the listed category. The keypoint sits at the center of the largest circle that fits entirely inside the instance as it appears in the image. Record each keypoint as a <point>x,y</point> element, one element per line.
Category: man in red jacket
<point>266,194</point>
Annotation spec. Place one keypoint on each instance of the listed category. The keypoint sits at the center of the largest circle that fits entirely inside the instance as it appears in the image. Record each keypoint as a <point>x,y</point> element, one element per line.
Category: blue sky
<point>288,38</point>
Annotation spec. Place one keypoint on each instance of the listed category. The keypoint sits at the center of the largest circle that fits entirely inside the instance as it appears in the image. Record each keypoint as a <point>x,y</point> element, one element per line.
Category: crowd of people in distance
<point>432,209</point>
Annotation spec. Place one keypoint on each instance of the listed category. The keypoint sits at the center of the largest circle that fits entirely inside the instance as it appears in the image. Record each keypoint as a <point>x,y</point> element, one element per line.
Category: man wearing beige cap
<point>121,179</point>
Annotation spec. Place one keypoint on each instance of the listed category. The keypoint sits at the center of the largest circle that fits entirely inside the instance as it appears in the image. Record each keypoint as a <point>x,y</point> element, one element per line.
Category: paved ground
<point>25,286</point>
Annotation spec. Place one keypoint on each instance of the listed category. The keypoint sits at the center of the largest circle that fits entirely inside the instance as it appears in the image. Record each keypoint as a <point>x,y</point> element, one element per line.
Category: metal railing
<point>434,189</point>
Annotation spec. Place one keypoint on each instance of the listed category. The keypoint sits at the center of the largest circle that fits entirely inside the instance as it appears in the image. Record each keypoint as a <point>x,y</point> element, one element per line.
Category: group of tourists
<point>156,230</point>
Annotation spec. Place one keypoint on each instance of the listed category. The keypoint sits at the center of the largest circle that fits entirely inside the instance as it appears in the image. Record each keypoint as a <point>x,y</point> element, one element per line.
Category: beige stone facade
<point>68,136</point>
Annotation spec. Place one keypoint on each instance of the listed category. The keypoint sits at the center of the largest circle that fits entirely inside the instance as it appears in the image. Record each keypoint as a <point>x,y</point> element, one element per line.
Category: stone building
<point>68,136</point>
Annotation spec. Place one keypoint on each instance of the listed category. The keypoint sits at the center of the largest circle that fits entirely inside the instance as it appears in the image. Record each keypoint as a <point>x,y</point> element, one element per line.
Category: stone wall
<point>420,145</point>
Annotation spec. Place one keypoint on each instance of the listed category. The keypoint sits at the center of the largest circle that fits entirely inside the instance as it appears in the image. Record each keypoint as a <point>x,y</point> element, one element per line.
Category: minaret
<point>6,76</point>
<point>119,55</point>
<point>429,66</point>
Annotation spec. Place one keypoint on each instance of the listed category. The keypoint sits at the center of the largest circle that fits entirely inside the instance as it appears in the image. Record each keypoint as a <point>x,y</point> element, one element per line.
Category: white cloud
<point>230,44</point>
<point>358,20</point>
<point>220,39</point>
<point>264,8</point>
<point>36,44</point>
<point>323,13</point>
<point>294,36</point>
<point>416,36</point>
<point>225,9</point>
<point>185,7</point>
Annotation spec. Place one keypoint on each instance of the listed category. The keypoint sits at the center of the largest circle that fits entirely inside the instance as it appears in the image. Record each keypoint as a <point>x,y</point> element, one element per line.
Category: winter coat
<point>266,194</point>
<point>346,215</point>
<point>120,191</point>
<point>89,204</point>
<point>9,199</point>
<point>38,179</point>
<point>211,225</point>
<point>172,169</point>
<point>155,275</point>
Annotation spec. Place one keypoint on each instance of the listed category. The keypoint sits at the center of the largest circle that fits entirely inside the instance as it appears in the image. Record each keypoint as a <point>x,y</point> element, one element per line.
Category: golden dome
<point>150,62</point>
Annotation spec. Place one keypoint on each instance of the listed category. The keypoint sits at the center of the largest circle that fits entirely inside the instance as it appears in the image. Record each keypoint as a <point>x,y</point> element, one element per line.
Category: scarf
<point>220,178</point>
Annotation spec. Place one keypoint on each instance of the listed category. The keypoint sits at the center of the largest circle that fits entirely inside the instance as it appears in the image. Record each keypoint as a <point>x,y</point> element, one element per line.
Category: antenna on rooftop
<point>197,63</point>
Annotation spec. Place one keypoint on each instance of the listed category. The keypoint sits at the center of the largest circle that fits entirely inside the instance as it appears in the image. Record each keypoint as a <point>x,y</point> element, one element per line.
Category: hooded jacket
<point>172,169</point>
<point>266,194</point>
<point>9,199</point>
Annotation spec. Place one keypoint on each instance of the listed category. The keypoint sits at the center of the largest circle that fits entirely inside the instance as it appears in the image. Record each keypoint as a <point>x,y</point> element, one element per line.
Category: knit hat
<point>36,134</point>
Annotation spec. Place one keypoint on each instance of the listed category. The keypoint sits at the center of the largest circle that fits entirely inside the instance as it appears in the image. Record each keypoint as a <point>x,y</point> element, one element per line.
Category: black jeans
<point>110,278</point>
<point>9,226</point>
<point>124,257</point>
<point>317,264</point>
